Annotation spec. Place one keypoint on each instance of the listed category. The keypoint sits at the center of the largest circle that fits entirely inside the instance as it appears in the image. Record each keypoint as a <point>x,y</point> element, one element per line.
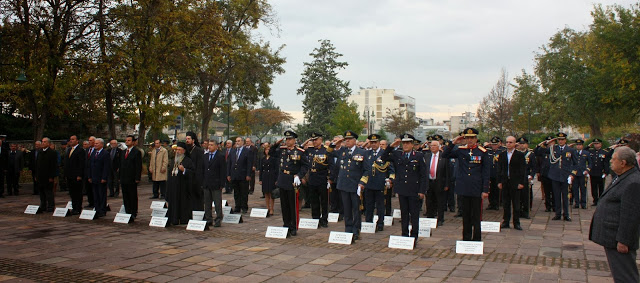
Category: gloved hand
<point>328,185</point>
<point>569,180</point>
<point>296,181</point>
<point>604,176</point>
<point>359,191</point>
<point>586,173</point>
<point>387,183</point>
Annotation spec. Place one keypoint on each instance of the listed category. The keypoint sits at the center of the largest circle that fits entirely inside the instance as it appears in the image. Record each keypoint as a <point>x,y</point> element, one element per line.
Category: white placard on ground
<point>469,247</point>
<point>158,221</point>
<point>259,212</point>
<point>226,210</point>
<point>388,220</point>
<point>399,242</point>
<point>88,214</point>
<point>60,212</point>
<point>431,222</point>
<point>122,218</point>
<point>397,213</point>
<point>197,215</point>
<point>224,203</point>
<point>343,238</point>
<point>306,223</point>
<point>160,212</point>
<point>333,217</point>
<point>424,231</point>
<point>157,204</point>
<point>31,209</point>
<point>196,225</point>
<point>122,209</point>
<point>489,226</point>
<point>368,227</point>
<point>277,232</point>
<point>69,205</point>
<point>232,218</point>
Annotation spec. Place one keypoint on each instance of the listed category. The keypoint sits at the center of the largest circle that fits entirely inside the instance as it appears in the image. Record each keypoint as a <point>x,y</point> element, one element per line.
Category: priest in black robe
<point>180,187</point>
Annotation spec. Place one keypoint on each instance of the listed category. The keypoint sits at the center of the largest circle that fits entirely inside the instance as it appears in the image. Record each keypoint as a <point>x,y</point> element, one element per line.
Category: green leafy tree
<point>495,109</point>
<point>323,91</point>
<point>343,118</point>
<point>399,121</point>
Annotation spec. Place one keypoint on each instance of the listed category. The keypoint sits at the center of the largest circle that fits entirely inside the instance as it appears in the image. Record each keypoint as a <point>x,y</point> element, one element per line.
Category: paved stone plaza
<point>43,248</point>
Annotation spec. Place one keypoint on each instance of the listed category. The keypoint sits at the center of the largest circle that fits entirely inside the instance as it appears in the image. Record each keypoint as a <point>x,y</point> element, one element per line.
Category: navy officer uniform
<point>379,181</point>
<point>319,164</point>
<point>563,162</point>
<point>352,177</point>
<point>411,184</point>
<point>293,166</point>
<point>494,192</point>
<point>579,188</point>
<point>543,170</point>
<point>598,169</point>
<point>526,198</point>
<point>472,181</point>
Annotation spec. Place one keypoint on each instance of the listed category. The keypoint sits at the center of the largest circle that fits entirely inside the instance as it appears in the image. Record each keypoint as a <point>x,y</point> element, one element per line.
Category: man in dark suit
<point>239,174</point>
<point>99,166</point>
<point>74,165</point>
<point>46,164</point>
<point>254,154</point>
<point>616,221</point>
<point>130,170</point>
<point>410,183</point>
<point>562,171</point>
<point>114,178</point>
<point>438,170</point>
<point>213,174</point>
<point>196,153</point>
<point>4,163</point>
<point>512,179</point>
<point>31,159</point>
<point>16,162</point>
<point>228,146</point>
<point>88,187</point>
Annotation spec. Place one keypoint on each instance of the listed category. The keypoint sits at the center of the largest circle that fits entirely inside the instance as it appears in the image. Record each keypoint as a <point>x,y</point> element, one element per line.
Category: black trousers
<point>579,190</point>
<point>597,188</point>
<point>335,199</point>
<point>511,197</point>
<point>472,210</point>
<point>494,193</point>
<point>352,218</point>
<point>387,202</point>
<point>623,266</point>
<point>451,199</point>
<point>561,197</point>
<point>374,197</point>
<point>130,198</point>
<point>159,187</point>
<point>288,206</point>
<point>114,183</point>
<point>526,198</point>
<point>75,192</point>
<point>319,197</point>
<point>35,184</point>
<point>100,196</point>
<point>88,188</point>
<point>436,202</point>
<point>2,183</point>
<point>548,193</point>
<point>45,189</point>
<point>212,195</point>
<point>12,181</point>
<point>410,211</point>
<point>252,183</point>
<point>240,194</point>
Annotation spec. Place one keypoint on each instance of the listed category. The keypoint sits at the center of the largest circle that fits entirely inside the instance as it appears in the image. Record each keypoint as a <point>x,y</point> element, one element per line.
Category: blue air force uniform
<point>376,187</point>
<point>598,167</point>
<point>563,162</point>
<point>319,164</point>
<point>526,199</point>
<point>579,188</point>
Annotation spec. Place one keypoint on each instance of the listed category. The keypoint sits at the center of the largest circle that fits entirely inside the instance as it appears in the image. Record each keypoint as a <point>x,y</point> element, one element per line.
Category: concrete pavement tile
<point>312,279</point>
<point>270,272</point>
<point>353,274</point>
<point>363,267</point>
<point>429,279</point>
<point>458,280</point>
<point>255,267</point>
<point>309,267</point>
<point>161,278</point>
<point>179,263</point>
<point>436,273</point>
<point>142,275</point>
<point>463,273</point>
<point>52,260</point>
<point>379,273</point>
<point>141,266</point>
<point>6,277</point>
<point>239,273</point>
<point>489,276</point>
<point>515,278</point>
<point>180,273</point>
<point>196,259</point>
<point>195,267</point>
<point>547,269</point>
<point>206,274</point>
<point>220,278</point>
<point>120,272</point>
<point>173,251</point>
<point>573,274</point>
<point>337,267</point>
<point>211,262</point>
<point>162,268</point>
<point>322,261</point>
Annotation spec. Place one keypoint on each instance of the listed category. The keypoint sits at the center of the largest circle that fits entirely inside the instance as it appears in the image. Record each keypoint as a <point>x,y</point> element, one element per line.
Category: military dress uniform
<point>351,175</point>
<point>579,188</point>
<point>526,198</point>
<point>319,164</point>
<point>563,162</point>
<point>293,163</point>
<point>472,179</point>
<point>494,192</point>
<point>378,183</point>
<point>543,156</point>
<point>598,170</point>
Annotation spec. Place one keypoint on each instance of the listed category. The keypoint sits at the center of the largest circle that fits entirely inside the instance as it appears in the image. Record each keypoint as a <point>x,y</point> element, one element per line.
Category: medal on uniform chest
<point>470,152</point>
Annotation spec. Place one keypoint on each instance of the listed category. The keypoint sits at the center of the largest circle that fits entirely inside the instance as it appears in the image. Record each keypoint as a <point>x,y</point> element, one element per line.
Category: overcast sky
<point>445,54</point>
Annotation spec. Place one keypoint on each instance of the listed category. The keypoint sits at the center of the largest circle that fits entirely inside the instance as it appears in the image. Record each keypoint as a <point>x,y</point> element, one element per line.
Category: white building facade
<point>374,102</point>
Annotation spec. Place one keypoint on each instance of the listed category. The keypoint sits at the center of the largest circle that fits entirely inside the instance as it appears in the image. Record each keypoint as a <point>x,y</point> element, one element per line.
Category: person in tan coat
<point>158,164</point>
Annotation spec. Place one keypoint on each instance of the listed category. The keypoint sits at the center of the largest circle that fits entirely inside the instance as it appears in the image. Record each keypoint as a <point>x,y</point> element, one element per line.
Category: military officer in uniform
<point>472,180</point>
<point>352,178</point>
<point>380,176</point>
<point>494,192</point>
<point>543,173</point>
<point>562,171</point>
<point>526,198</point>
<point>579,189</point>
<point>598,168</point>
<point>318,177</point>
<point>411,183</point>
<point>293,166</point>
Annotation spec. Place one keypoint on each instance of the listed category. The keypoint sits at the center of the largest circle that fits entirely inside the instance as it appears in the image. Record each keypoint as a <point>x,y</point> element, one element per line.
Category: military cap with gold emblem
<point>561,136</point>
<point>350,135</point>
<point>417,142</point>
<point>523,140</point>
<point>495,140</point>
<point>290,134</point>
<point>315,136</point>
<point>579,141</point>
<point>548,138</point>
<point>597,140</point>
<point>374,137</point>
<point>623,142</point>
<point>470,132</point>
<point>438,137</point>
<point>407,137</point>
<point>429,138</point>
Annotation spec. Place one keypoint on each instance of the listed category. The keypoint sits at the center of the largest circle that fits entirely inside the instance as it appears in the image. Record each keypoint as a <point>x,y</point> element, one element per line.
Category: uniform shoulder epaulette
<point>463,147</point>
<point>529,150</point>
<point>283,146</point>
<point>299,148</point>
<point>482,149</point>
<point>607,149</point>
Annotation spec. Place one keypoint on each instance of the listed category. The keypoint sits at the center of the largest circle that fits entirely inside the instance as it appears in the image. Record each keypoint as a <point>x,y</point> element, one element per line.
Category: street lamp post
<point>368,112</point>
<point>528,118</point>
<point>227,103</point>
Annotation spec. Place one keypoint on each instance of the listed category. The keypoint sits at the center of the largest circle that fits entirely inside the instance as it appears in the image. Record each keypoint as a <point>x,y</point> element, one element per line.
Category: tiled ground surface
<point>42,248</point>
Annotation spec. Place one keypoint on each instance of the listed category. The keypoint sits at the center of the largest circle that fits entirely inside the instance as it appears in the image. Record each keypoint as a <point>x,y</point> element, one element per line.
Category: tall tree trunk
<point>142,130</point>
<point>106,81</point>
<point>596,131</point>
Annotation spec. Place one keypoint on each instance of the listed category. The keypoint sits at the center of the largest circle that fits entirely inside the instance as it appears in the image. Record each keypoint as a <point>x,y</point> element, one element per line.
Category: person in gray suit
<point>616,221</point>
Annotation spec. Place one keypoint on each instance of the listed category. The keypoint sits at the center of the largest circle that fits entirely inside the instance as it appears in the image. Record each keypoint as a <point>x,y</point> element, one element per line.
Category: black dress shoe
<point>111,195</point>
<point>380,228</point>
<point>504,225</point>
<point>458,215</point>
<point>89,207</point>
<point>244,211</point>
<point>584,207</point>
<point>547,209</point>
<point>262,197</point>
<point>236,210</point>
<point>557,217</point>
<point>227,193</point>
<point>294,233</point>
<point>356,237</point>
<point>324,225</point>
<point>567,218</point>
<point>526,217</point>
<point>75,213</point>
<point>517,227</point>
<point>452,210</point>
<point>576,206</point>
<point>153,197</point>
<point>216,223</point>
